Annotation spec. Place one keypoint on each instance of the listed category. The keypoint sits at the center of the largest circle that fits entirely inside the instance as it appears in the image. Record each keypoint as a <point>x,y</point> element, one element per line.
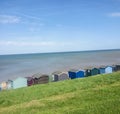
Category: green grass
<point>92,95</point>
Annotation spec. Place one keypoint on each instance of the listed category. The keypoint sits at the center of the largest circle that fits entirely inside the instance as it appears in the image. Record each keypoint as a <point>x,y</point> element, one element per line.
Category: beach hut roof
<point>81,70</point>
<point>29,78</point>
<point>116,65</point>
<point>76,70</point>
<point>94,68</point>
<point>102,67</point>
<point>59,73</point>
<point>73,70</point>
<point>56,72</point>
<point>38,75</point>
<point>44,75</point>
<point>15,78</point>
<point>108,66</point>
<point>89,68</point>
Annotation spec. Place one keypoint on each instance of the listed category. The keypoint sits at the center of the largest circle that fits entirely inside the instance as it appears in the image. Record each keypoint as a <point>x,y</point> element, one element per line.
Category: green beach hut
<point>95,71</point>
<point>87,72</point>
<point>17,83</point>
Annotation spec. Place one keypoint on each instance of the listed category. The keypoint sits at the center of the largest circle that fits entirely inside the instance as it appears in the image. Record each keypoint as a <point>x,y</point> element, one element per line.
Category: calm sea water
<point>12,66</point>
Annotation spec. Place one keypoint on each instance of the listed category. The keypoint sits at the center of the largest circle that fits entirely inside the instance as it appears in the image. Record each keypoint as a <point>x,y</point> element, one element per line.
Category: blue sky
<point>35,26</point>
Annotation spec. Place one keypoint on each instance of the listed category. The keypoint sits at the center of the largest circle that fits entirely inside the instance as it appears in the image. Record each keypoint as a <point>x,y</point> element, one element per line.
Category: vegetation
<point>92,95</point>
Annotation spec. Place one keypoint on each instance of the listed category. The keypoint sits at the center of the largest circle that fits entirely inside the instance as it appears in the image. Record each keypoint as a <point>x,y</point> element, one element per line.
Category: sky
<point>38,26</point>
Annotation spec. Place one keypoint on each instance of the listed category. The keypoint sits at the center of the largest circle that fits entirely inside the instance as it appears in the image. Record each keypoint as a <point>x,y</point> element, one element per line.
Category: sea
<point>24,65</point>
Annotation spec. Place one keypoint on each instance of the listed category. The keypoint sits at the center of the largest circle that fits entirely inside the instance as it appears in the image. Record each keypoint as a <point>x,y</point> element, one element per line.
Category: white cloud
<point>43,43</point>
<point>29,16</point>
<point>116,14</point>
<point>4,19</point>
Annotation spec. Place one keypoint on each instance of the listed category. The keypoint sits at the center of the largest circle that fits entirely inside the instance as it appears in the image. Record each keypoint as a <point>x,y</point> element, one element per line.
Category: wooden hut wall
<point>94,71</point>
<point>88,72</point>
<point>102,70</point>
<point>55,77</point>
<point>117,68</point>
<point>43,79</point>
<point>62,76</point>
<point>19,82</point>
<point>10,84</point>
<point>72,75</point>
<point>35,80</point>
<point>51,78</point>
<point>108,69</point>
<point>30,81</point>
<point>4,85</point>
<point>80,74</point>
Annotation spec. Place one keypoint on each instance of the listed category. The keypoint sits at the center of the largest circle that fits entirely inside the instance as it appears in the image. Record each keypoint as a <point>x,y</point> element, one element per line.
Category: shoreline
<point>27,65</point>
<point>39,78</point>
<point>82,67</point>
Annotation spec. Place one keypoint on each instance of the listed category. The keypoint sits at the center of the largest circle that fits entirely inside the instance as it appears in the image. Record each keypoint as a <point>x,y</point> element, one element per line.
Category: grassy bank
<point>92,95</point>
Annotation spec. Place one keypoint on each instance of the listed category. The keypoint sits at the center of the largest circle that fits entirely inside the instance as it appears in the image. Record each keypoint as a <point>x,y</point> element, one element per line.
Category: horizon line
<point>73,51</point>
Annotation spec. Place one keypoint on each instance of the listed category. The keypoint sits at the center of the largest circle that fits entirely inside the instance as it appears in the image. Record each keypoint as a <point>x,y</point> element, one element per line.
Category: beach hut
<point>51,78</point>
<point>102,70</point>
<point>87,72</point>
<point>10,84</point>
<point>30,81</point>
<point>44,79</point>
<point>40,78</point>
<point>94,71</point>
<point>36,78</point>
<point>59,76</point>
<point>76,73</point>
<point>117,67</point>
<point>81,74</point>
<point>108,69</point>
<point>17,83</point>
<point>4,86</point>
<point>113,68</point>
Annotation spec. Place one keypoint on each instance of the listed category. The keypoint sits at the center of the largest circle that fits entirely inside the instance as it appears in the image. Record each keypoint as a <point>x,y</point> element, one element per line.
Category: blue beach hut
<point>76,74</point>
<point>17,83</point>
<point>108,69</point>
<point>81,74</point>
<point>102,70</point>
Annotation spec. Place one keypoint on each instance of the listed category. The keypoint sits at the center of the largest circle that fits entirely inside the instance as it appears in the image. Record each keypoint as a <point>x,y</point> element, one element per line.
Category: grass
<point>92,95</point>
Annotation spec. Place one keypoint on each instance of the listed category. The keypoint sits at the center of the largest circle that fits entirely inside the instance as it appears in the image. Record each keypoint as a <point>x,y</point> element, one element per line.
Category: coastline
<point>27,65</point>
